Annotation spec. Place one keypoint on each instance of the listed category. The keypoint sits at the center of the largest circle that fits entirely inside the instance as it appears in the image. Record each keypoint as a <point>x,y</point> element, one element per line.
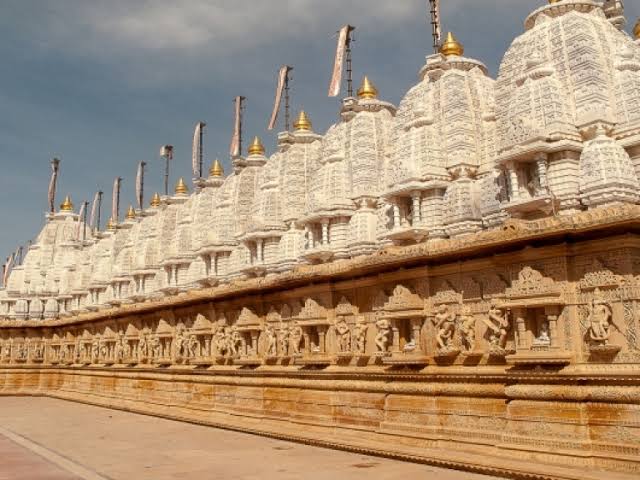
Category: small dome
<point>256,147</point>
<point>66,206</point>
<point>131,213</point>
<point>451,47</point>
<point>367,90</point>
<point>216,169</point>
<point>303,123</point>
<point>155,200</point>
<point>181,187</point>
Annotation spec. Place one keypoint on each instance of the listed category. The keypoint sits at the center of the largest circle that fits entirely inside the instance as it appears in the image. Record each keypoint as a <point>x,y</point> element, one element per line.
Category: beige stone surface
<point>122,445</point>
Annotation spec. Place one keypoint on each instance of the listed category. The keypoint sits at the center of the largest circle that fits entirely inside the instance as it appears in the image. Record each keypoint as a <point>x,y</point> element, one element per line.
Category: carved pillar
<point>541,165</point>
<point>307,342</point>
<point>512,178</point>
<point>396,214</point>
<point>416,325</point>
<point>259,251</point>
<point>417,217</point>
<point>396,336</point>
<point>322,340</point>
<point>552,319</point>
<point>325,232</point>
<point>521,327</point>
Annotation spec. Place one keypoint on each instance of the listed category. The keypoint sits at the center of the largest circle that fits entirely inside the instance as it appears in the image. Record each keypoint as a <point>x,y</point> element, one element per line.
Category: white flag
<point>234,150</point>
<point>80,220</point>
<point>282,80</point>
<point>94,210</point>
<point>336,78</point>
<point>55,167</point>
<point>140,185</point>
<point>7,270</point>
<point>115,201</point>
<point>196,150</point>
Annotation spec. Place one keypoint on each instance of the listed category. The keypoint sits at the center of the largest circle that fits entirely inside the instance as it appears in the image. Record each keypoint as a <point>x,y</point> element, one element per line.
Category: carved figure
<point>193,346</point>
<point>95,349</point>
<point>156,347</point>
<point>360,334</point>
<point>446,327</point>
<point>599,320</point>
<point>296,339</point>
<point>384,332</point>
<point>38,352</point>
<point>234,340</point>
<point>468,330</point>
<point>343,333</point>
<point>284,340</point>
<point>499,325</point>
<point>543,338</point>
<point>272,348</point>
<point>143,347</point>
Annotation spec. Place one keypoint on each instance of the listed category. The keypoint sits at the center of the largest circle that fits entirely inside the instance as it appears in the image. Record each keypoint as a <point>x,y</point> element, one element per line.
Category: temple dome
<point>561,74</point>
<point>445,121</point>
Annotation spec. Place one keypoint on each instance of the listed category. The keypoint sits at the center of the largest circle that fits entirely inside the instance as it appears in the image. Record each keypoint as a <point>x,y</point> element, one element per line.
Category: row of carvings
<point>401,329</point>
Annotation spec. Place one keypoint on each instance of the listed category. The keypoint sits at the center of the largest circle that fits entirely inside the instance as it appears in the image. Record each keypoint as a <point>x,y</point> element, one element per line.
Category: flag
<point>80,220</point>
<point>7,270</point>
<point>94,210</point>
<point>55,167</point>
<point>282,80</point>
<point>234,150</point>
<point>140,185</point>
<point>196,151</point>
<point>336,78</point>
<point>115,200</point>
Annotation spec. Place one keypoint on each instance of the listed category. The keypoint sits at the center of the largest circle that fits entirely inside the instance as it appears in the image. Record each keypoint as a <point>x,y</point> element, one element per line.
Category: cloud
<point>219,26</point>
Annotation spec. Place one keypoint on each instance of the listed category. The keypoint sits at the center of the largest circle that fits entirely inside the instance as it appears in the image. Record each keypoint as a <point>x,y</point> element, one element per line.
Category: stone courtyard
<point>48,439</point>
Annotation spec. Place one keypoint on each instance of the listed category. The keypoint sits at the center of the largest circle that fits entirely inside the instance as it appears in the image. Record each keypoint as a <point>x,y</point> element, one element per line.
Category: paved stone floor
<point>47,439</point>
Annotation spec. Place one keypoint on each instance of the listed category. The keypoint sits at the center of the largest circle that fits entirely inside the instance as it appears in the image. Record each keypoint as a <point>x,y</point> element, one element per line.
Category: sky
<point>103,84</point>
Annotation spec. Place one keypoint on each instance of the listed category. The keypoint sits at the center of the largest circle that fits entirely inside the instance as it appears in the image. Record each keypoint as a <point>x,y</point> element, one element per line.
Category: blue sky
<point>103,84</point>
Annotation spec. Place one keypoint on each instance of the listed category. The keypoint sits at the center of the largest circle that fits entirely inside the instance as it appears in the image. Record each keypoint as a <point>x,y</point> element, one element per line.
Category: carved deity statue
<point>499,325</point>
<point>600,316</point>
<point>156,347</point>
<point>193,346</point>
<point>284,340</point>
<point>468,330</point>
<point>343,332</point>
<point>296,339</point>
<point>445,323</point>
<point>360,335</point>
<point>543,338</point>
<point>384,333</point>
<point>143,347</point>
<point>272,346</point>
<point>95,349</point>
<point>234,340</point>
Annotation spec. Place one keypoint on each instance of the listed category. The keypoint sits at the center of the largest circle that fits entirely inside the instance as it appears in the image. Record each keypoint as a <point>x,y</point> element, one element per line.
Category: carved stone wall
<point>484,361</point>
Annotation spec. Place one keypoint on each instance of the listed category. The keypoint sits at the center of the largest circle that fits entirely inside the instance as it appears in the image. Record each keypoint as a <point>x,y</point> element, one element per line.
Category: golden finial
<point>131,213</point>
<point>553,1</point>
<point>66,206</point>
<point>181,187</point>
<point>367,90</point>
<point>451,47</point>
<point>256,147</point>
<point>155,200</point>
<point>636,30</point>
<point>303,123</point>
<point>111,224</point>
<point>216,169</point>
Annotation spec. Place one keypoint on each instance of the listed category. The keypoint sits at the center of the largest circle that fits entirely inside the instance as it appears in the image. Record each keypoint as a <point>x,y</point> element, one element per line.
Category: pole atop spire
<point>282,87</point>
<point>236,141</point>
<point>436,24</point>
<point>55,168</point>
<point>343,51</point>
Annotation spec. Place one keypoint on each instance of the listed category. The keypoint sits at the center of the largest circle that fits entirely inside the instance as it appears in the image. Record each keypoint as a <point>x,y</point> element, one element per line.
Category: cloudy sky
<point>103,83</point>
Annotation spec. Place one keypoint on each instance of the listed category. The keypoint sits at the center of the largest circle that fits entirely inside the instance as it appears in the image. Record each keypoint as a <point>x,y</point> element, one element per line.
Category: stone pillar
<point>396,214</point>
<point>396,336</point>
<point>416,325</point>
<point>259,251</point>
<point>521,327</point>
<point>541,165</point>
<point>417,217</point>
<point>325,232</point>
<point>322,341</point>
<point>552,319</point>
<point>514,186</point>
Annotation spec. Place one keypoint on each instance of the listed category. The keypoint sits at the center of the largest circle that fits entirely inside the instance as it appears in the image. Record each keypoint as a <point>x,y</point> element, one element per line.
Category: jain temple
<point>454,280</point>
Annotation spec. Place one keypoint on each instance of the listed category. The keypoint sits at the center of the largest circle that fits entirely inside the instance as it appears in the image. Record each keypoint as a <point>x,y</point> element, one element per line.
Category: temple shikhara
<point>454,280</point>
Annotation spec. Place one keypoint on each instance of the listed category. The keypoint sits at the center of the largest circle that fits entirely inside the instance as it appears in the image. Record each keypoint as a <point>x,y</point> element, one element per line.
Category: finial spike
<point>67,205</point>
<point>256,147</point>
<point>367,90</point>
<point>452,47</point>
<point>216,169</point>
<point>181,187</point>
<point>303,123</point>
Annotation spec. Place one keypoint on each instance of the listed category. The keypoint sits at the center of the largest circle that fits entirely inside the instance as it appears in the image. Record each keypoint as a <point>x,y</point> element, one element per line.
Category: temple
<point>481,237</point>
